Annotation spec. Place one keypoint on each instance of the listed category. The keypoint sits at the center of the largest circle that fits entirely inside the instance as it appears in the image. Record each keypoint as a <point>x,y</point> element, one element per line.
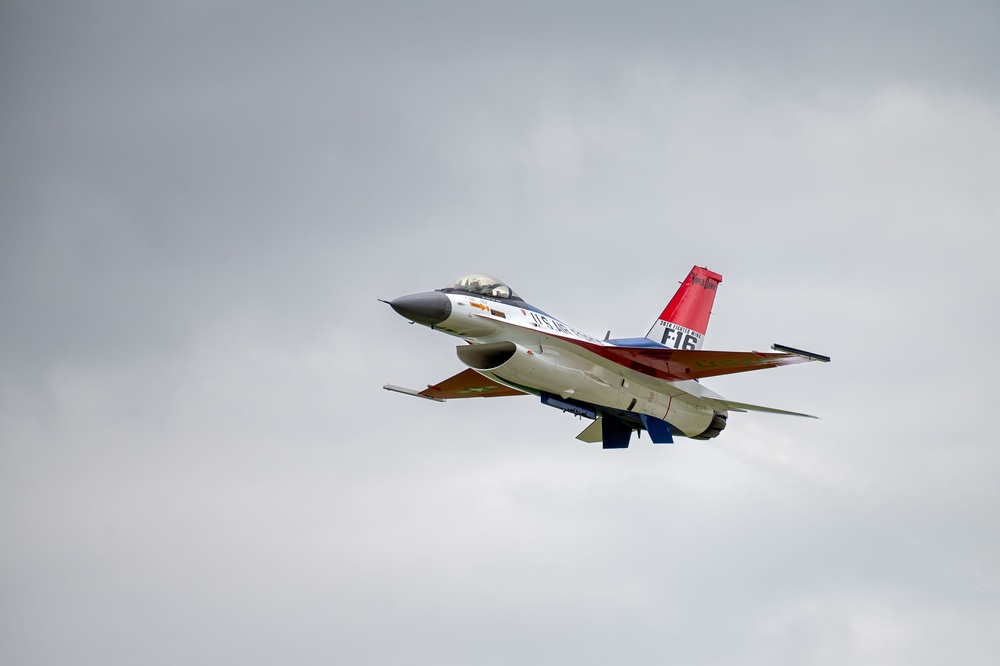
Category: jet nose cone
<point>428,308</point>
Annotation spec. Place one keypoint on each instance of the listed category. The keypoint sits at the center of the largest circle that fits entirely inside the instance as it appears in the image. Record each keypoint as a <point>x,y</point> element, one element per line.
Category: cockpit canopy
<point>484,285</point>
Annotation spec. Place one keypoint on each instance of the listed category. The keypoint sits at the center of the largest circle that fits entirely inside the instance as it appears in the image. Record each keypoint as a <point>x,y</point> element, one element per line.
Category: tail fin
<point>685,319</point>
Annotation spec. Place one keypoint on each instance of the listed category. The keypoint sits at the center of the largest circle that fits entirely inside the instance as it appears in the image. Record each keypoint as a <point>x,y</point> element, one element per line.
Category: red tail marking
<point>692,304</point>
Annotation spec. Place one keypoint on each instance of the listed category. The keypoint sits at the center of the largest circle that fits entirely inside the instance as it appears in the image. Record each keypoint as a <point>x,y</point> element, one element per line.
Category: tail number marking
<point>678,337</point>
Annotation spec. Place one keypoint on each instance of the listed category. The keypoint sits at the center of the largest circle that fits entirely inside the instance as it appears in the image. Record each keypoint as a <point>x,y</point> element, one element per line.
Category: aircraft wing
<point>720,404</point>
<point>681,364</point>
<point>466,384</point>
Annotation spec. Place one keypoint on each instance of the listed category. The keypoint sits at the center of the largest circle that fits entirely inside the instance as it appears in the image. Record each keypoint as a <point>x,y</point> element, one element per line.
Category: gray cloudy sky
<point>201,201</point>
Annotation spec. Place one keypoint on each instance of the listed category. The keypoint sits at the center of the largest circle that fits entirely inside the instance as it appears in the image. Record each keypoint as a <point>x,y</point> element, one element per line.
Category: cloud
<point>202,202</point>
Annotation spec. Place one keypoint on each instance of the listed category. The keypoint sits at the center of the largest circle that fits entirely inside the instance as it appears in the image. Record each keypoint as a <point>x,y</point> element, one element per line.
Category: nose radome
<point>428,308</point>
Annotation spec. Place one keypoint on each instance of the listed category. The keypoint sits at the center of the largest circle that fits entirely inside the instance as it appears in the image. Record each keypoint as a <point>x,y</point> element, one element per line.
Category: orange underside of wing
<point>468,384</point>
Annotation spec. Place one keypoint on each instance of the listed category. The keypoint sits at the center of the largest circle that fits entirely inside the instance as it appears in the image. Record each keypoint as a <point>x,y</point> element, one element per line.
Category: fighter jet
<point>624,385</point>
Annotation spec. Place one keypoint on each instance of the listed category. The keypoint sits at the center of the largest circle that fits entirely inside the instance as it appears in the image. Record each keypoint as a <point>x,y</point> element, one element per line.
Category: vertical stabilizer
<point>683,323</point>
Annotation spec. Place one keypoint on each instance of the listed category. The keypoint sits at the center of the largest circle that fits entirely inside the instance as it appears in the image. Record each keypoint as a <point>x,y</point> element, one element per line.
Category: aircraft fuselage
<point>527,349</point>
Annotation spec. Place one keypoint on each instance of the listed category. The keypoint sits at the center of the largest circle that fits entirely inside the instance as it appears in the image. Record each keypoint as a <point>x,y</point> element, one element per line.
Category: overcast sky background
<point>201,201</point>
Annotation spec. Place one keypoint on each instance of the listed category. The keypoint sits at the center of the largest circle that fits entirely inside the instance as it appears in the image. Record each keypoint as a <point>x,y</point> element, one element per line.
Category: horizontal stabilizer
<point>746,407</point>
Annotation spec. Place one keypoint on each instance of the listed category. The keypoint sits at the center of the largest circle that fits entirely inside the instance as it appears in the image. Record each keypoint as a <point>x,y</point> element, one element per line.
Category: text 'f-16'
<point>628,384</point>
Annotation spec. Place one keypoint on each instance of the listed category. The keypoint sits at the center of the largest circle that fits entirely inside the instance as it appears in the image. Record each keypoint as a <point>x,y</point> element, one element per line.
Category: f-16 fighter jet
<point>624,385</point>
